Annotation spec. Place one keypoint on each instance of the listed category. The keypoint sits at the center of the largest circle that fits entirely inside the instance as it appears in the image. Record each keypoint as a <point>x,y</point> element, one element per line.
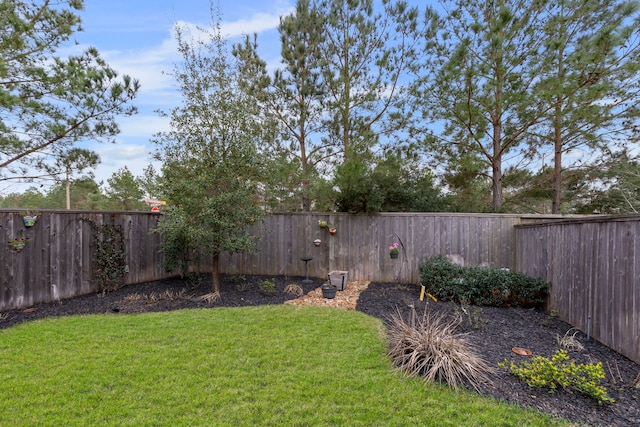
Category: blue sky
<point>136,37</point>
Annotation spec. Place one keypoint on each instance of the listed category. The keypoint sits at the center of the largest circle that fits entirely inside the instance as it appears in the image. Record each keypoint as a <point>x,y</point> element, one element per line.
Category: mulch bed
<point>492,331</point>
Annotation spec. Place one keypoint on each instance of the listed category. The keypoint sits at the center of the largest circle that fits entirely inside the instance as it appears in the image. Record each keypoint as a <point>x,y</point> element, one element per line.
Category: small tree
<point>125,190</point>
<point>211,162</point>
<point>74,160</point>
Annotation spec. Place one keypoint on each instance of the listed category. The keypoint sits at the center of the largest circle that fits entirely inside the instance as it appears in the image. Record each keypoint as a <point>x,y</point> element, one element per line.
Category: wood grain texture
<point>593,266</point>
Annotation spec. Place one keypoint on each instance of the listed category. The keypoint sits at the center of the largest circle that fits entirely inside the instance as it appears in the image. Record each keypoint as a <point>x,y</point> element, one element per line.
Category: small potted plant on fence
<point>332,229</point>
<point>18,243</point>
<point>29,218</point>
<point>393,251</point>
<point>322,224</point>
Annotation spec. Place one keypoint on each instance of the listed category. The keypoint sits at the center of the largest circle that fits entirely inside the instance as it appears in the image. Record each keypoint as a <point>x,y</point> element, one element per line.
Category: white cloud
<point>143,126</point>
<point>116,156</point>
<point>114,153</point>
<point>152,65</point>
<point>256,24</point>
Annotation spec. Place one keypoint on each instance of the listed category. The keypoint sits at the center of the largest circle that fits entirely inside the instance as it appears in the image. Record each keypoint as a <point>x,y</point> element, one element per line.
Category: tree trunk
<point>215,267</point>
<point>557,174</point>
<point>497,185</point>
<point>496,166</point>
<point>68,191</point>
<point>557,157</point>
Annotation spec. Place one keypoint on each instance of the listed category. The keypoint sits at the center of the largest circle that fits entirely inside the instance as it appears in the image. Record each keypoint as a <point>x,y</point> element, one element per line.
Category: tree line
<point>496,106</point>
<point>122,192</point>
<point>493,106</point>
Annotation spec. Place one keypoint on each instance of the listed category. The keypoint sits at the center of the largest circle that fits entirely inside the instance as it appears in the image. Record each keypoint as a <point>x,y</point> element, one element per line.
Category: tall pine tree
<point>589,81</point>
<point>483,61</point>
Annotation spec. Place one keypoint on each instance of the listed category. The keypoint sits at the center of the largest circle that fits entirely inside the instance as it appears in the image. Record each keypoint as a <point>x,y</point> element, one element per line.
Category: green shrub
<point>237,278</point>
<point>242,284</point>
<point>560,371</point>
<point>268,287</point>
<point>481,285</point>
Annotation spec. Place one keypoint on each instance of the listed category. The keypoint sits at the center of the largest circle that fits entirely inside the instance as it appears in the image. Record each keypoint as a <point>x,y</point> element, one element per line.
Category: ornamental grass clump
<point>429,346</point>
<point>560,371</point>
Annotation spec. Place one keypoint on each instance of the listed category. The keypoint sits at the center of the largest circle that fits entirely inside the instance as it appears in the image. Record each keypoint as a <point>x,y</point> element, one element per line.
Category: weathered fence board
<point>361,244</point>
<point>57,261</point>
<point>593,266</point>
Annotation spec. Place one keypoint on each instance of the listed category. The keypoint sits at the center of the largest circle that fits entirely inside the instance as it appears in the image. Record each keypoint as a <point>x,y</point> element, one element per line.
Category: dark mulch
<point>493,331</point>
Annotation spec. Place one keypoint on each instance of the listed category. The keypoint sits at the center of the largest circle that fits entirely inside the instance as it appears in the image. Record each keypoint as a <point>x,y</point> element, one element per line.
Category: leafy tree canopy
<point>211,158</point>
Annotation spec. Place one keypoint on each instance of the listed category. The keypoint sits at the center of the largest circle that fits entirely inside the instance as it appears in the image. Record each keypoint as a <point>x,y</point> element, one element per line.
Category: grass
<point>268,366</point>
<point>428,345</point>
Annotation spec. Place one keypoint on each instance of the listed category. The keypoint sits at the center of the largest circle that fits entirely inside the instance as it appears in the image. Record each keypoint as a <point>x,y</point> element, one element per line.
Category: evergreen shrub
<point>481,285</point>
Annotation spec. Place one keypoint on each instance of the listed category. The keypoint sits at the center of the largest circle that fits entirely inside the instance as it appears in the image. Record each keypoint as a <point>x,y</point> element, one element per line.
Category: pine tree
<point>49,103</point>
<point>483,59</point>
<point>588,84</point>
<point>291,99</point>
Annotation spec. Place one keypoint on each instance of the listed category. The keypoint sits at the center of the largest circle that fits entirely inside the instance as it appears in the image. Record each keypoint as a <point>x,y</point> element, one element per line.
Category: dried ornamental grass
<point>209,298</point>
<point>569,341</point>
<point>429,346</point>
<point>294,289</point>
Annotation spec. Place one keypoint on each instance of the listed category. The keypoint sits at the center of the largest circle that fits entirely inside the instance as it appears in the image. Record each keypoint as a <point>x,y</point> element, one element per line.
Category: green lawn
<point>272,365</point>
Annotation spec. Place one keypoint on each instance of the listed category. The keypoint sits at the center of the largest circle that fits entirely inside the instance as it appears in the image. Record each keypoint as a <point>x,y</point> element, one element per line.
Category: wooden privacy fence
<point>361,244</point>
<point>57,260</point>
<point>593,266</point>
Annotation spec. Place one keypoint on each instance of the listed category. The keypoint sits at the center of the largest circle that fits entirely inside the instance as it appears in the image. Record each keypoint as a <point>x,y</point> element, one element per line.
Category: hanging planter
<point>393,250</point>
<point>17,244</point>
<point>29,218</point>
<point>322,224</point>
<point>29,221</point>
<point>332,230</point>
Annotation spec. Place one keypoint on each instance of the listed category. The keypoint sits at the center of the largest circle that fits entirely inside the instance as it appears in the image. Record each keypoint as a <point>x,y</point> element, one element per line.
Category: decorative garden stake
<point>393,251</point>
